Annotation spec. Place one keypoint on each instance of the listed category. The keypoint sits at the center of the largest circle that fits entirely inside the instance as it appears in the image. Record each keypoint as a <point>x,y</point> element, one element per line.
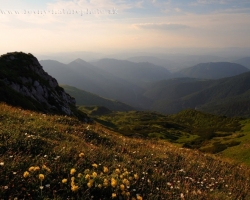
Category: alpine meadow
<point>125,100</point>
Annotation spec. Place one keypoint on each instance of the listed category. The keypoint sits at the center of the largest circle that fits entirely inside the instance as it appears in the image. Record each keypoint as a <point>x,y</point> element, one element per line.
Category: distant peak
<point>79,60</point>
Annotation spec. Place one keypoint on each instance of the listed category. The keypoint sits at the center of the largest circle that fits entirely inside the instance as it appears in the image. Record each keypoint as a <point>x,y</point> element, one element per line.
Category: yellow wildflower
<point>105,170</point>
<point>94,174</point>
<point>64,180</point>
<point>26,174</point>
<point>139,197</point>
<point>41,176</point>
<point>125,181</point>
<point>46,168</point>
<point>90,184</point>
<point>125,173</point>
<point>122,187</point>
<point>87,177</point>
<point>113,195</point>
<point>79,175</point>
<point>117,171</point>
<point>81,155</point>
<point>74,188</point>
<point>100,186</point>
<point>36,168</point>
<point>136,176</point>
<point>72,171</point>
<point>94,165</point>
<point>31,169</point>
<point>113,182</point>
<point>105,182</point>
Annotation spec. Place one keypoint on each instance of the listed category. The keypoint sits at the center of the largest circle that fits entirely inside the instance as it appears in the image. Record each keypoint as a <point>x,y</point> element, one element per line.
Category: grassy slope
<point>154,169</point>
<point>189,128</point>
<point>241,153</point>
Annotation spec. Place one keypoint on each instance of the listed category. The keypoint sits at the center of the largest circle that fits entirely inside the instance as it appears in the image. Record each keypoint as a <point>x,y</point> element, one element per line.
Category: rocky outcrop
<point>22,73</point>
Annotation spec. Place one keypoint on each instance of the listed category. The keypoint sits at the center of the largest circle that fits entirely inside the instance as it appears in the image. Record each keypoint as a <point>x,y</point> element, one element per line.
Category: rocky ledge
<point>22,75</point>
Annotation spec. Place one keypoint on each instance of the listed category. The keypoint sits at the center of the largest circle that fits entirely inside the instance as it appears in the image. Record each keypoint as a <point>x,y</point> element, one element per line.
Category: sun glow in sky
<point>98,25</point>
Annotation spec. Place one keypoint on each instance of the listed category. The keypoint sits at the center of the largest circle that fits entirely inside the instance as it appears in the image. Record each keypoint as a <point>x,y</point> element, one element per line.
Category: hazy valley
<point>147,86</point>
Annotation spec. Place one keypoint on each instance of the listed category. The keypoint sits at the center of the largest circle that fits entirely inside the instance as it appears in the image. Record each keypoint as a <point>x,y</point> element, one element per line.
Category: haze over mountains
<point>228,96</point>
<point>244,61</point>
<point>89,78</point>
<point>88,99</point>
<point>147,86</point>
<point>212,70</point>
<point>137,73</point>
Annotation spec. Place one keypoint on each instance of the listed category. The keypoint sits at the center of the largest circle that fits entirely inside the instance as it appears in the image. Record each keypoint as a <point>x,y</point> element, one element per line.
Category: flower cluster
<point>118,181</point>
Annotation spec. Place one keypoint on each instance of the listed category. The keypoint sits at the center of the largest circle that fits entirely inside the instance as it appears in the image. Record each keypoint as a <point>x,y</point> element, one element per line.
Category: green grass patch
<point>240,153</point>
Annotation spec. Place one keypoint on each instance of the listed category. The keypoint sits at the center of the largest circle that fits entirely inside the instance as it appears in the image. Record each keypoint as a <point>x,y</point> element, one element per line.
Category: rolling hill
<point>175,88</point>
<point>244,61</point>
<point>84,98</point>
<point>232,94</point>
<point>168,64</point>
<point>212,70</point>
<point>137,73</point>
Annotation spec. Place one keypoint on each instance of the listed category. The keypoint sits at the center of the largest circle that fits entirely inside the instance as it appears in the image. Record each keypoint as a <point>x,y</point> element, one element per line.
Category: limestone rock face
<point>22,73</point>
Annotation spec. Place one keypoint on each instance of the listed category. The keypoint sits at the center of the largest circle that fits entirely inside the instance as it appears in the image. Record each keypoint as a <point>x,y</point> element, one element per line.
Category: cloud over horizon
<point>161,26</point>
<point>49,27</point>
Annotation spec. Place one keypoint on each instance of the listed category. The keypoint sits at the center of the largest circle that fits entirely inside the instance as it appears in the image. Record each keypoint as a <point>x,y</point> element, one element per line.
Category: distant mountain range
<point>244,61</point>
<point>166,63</point>
<point>87,77</point>
<point>176,62</point>
<point>150,87</point>
<point>228,96</point>
<point>137,73</point>
<point>211,70</point>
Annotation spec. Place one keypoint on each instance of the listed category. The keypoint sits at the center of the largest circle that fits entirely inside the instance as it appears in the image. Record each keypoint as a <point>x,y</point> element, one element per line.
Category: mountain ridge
<point>208,92</point>
<point>213,70</point>
<point>84,98</point>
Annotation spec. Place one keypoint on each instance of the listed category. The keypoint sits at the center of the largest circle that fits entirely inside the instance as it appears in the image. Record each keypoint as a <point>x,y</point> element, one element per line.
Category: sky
<point>49,26</point>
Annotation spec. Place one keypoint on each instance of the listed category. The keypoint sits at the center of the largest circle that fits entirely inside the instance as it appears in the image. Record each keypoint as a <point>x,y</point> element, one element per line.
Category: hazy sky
<point>44,26</point>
